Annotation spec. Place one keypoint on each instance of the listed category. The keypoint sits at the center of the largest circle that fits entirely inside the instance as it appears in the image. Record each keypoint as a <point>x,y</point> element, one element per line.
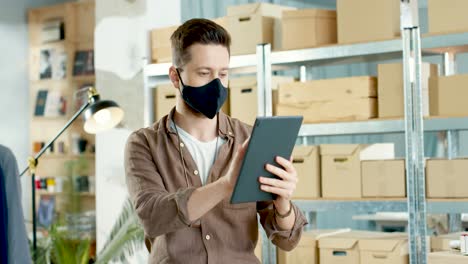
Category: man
<point>181,171</point>
<point>17,245</point>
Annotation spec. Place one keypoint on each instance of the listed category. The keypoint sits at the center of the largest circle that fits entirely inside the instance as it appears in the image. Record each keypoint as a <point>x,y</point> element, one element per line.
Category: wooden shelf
<point>51,82</point>
<point>84,78</point>
<point>68,156</point>
<point>79,25</point>
<point>43,192</point>
<point>50,118</point>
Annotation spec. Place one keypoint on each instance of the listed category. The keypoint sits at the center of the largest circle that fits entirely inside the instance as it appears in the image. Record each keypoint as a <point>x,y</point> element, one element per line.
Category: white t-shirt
<point>203,153</point>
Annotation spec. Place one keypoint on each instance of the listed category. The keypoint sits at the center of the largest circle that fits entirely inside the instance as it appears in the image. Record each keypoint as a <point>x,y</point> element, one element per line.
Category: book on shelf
<point>83,63</point>
<point>52,30</point>
<point>50,104</point>
<point>52,64</point>
<point>45,212</point>
<point>40,102</point>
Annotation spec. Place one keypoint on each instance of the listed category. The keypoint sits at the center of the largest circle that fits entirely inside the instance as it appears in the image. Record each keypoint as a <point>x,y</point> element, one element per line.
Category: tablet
<point>271,137</point>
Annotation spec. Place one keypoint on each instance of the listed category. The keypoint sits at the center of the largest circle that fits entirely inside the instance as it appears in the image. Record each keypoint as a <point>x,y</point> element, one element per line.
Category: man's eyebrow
<point>203,68</point>
<point>209,68</point>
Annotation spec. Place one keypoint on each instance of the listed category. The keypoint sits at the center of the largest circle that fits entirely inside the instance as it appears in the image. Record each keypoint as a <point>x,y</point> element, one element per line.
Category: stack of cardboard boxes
<point>243,96</point>
<point>363,247</point>
<point>344,99</point>
<point>345,246</point>
<point>353,98</point>
<point>349,171</point>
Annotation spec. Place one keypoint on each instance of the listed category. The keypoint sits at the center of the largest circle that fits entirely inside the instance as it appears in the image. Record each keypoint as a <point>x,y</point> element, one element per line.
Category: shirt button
<point>207,237</point>
<point>230,133</point>
<point>195,172</point>
<point>182,145</point>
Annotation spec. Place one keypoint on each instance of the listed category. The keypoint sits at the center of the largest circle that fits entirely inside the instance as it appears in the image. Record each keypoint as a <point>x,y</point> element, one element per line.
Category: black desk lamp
<point>99,115</point>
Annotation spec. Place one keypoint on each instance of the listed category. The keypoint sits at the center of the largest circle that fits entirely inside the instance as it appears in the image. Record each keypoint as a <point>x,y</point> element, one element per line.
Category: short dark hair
<point>197,30</point>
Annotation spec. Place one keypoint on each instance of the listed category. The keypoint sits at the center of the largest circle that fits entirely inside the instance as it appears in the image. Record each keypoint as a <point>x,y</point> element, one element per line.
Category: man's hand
<point>234,169</point>
<point>284,187</point>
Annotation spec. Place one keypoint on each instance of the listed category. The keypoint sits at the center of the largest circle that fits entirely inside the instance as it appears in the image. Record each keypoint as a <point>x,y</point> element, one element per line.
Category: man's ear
<point>174,77</point>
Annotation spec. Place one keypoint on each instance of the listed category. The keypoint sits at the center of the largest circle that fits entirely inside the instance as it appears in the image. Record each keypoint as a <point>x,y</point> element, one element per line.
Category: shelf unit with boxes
<point>155,74</point>
<point>61,61</point>
<point>391,46</point>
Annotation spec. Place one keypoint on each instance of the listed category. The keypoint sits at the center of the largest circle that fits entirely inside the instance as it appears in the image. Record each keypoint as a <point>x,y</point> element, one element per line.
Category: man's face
<point>207,63</point>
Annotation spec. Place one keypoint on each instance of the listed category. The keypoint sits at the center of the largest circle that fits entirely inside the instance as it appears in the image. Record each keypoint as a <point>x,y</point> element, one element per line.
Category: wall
<point>121,42</point>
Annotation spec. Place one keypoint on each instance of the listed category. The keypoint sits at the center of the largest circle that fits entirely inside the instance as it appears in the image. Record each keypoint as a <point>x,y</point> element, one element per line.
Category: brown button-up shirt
<point>158,187</point>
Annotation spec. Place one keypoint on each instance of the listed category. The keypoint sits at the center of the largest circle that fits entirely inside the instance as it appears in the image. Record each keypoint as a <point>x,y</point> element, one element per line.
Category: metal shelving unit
<point>410,47</point>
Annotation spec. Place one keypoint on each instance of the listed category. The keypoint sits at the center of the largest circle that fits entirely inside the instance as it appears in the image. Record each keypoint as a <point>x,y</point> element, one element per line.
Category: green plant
<point>126,236</point>
<point>59,247</point>
<point>67,250</point>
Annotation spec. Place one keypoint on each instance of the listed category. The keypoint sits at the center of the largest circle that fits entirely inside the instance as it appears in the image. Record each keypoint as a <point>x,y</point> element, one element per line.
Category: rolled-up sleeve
<point>285,239</point>
<point>159,211</point>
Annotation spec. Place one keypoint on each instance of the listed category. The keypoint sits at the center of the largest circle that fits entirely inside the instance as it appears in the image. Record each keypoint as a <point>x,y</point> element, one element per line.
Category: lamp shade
<point>102,115</point>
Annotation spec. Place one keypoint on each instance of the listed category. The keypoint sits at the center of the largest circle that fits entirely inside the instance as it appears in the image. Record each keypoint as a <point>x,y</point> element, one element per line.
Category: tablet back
<point>271,137</point>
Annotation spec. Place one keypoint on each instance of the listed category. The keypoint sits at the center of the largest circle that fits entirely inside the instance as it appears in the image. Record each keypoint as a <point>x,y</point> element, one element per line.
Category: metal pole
<point>148,101</point>
<point>265,102</point>
<point>452,137</point>
<point>414,134</point>
<point>34,242</point>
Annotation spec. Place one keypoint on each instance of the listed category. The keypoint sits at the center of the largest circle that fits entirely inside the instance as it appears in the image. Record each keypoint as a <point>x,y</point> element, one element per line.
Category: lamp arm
<point>72,119</point>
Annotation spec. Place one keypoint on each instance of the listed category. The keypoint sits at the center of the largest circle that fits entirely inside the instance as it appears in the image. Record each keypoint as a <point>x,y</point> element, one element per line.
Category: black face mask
<point>207,99</point>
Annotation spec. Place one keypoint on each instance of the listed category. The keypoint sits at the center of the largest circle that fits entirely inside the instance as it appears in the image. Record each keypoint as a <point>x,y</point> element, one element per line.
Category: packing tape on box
<point>337,232</point>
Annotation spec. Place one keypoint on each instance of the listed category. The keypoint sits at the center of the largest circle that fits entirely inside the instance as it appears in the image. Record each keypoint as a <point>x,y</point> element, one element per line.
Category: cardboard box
<point>306,160</point>
<point>344,248</point>
<point>165,97</point>
<point>447,95</point>
<point>243,96</point>
<point>447,16</point>
<point>222,21</point>
<point>306,251</point>
<point>383,178</point>
<point>385,250</point>
<point>391,91</point>
<point>351,98</point>
<point>341,167</point>
<point>442,242</point>
<point>367,20</point>
<point>161,44</point>
<point>446,257</point>
<point>320,24</point>
<point>264,9</point>
<point>447,178</point>
<point>252,24</point>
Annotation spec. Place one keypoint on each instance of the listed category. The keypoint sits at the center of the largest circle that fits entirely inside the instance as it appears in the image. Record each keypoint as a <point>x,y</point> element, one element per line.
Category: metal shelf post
<point>414,133</point>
